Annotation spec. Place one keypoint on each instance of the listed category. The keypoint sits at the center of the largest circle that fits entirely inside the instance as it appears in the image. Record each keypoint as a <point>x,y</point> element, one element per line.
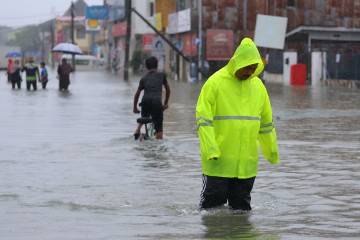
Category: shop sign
<point>190,48</point>
<point>147,42</point>
<point>119,29</point>
<point>219,44</point>
<point>117,13</point>
<point>97,12</point>
<point>92,25</point>
<point>179,21</point>
<point>158,46</point>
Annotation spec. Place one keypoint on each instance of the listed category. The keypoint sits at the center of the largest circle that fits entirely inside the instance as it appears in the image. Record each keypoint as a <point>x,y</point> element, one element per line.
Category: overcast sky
<point>17,13</point>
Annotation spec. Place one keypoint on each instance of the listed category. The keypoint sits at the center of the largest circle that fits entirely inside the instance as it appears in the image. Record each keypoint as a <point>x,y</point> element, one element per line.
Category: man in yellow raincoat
<point>233,116</point>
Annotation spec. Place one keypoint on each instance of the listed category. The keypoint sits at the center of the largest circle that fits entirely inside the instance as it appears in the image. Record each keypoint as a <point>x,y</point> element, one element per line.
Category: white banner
<point>179,22</point>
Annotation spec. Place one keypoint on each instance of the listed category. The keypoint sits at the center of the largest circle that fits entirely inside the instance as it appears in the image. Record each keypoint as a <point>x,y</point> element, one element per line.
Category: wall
<point>139,26</point>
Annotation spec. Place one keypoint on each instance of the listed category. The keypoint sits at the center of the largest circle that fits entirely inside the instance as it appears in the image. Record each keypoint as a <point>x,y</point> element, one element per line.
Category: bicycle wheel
<point>151,131</point>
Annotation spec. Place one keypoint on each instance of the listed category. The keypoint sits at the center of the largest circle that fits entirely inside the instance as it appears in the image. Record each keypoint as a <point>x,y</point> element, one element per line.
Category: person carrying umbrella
<point>32,74</point>
<point>64,70</point>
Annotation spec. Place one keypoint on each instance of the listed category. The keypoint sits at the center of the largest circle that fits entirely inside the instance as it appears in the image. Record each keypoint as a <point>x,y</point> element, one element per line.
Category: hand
<point>136,110</point>
<point>166,106</point>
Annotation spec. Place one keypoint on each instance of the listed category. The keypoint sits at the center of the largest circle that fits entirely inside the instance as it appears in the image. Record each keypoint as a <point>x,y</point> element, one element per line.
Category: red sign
<point>190,49</point>
<point>59,36</point>
<point>219,44</point>
<point>119,29</point>
<point>147,42</point>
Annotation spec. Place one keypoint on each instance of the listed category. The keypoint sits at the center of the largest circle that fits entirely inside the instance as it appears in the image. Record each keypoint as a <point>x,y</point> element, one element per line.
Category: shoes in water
<point>136,136</point>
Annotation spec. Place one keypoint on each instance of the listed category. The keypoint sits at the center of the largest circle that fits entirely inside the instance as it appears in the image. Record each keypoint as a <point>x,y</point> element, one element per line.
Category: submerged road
<point>70,169</point>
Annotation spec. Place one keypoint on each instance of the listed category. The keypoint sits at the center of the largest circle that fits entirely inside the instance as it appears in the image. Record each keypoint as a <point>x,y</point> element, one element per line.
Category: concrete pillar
<point>290,58</point>
<point>318,67</point>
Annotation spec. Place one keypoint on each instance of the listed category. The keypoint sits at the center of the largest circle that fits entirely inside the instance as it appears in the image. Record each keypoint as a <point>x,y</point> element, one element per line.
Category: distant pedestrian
<point>43,75</point>
<point>8,70</point>
<point>32,74</point>
<point>16,75</point>
<point>64,71</point>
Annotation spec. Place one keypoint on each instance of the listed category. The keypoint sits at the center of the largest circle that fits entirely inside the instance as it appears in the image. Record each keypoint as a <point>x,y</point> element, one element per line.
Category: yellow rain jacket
<point>233,116</point>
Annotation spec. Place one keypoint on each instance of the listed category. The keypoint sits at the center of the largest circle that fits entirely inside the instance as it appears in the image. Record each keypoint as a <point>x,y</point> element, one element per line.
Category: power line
<point>26,17</point>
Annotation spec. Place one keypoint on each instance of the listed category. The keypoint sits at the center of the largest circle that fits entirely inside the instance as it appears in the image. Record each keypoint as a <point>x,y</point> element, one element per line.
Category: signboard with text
<point>179,22</point>
<point>92,25</point>
<point>117,13</point>
<point>190,48</point>
<point>97,12</point>
<point>147,42</point>
<point>158,51</point>
<point>119,29</point>
<point>219,44</point>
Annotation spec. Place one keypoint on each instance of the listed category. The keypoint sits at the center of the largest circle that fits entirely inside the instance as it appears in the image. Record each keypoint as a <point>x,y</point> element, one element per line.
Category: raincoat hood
<point>246,54</point>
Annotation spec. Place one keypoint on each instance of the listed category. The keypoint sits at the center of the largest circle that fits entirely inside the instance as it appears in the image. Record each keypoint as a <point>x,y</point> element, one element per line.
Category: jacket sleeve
<point>267,134</point>
<point>205,109</point>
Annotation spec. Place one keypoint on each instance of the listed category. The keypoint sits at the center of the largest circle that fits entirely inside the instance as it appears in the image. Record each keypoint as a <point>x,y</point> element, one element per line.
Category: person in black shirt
<point>151,103</point>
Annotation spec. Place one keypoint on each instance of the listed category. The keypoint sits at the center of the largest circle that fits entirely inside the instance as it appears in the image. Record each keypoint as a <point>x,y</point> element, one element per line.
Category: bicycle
<point>149,128</point>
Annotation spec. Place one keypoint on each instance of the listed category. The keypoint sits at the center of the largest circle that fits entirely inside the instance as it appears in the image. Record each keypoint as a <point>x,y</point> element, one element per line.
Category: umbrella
<point>67,48</point>
<point>13,54</point>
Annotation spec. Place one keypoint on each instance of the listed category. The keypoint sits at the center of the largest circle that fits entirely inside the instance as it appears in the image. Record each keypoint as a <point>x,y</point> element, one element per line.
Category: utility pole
<point>52,43</point>
<point>200,61</point>
<point>72,33</point>
<point>127,40</point>
<point>106,38</point>
<point>52,31</point>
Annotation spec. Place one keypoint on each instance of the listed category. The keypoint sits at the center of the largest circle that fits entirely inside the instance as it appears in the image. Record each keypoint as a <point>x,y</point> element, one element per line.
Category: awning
<point>308,33</point>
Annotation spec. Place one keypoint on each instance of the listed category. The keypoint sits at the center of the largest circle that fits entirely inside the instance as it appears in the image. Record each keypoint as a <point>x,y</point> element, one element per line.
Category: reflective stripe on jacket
<point>32,71</point>
<point>233,116</point>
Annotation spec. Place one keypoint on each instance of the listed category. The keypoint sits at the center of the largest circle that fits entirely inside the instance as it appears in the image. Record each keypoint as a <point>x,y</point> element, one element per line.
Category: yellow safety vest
<point>233,116</point>
<point>32,71</point>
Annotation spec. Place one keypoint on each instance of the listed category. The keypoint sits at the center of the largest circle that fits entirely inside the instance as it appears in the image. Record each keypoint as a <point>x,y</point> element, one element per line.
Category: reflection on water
<point>228,226</point>
<point>69,159</point>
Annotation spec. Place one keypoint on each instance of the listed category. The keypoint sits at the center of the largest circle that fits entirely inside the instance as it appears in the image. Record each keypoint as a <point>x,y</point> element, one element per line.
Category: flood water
<point>70,169</point>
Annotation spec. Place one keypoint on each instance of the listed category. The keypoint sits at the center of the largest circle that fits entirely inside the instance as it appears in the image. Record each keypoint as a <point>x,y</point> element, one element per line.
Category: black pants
<point>155,110</point>
<point>44,84</point>
<point>219,190</point>
<point>29,83</point>
<point>14,83</point>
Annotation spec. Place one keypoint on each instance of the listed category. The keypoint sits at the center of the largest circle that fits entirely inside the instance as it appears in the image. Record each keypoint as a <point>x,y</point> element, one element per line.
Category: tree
<point>28,38</point>
<point>137,61</point>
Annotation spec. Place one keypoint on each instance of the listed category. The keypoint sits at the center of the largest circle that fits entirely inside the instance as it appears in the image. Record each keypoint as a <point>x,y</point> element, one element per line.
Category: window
<point>180,5</point>
<point>194,4</point>
<point>291,3</point>
<point>151,9</point>
<point>82,62</point>
<point>80,32</point>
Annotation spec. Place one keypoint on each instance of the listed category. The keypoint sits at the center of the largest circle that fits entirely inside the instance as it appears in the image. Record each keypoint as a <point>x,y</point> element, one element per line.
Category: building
<point>317,32</point>
<point>63,29</point>
<point>114,31</point>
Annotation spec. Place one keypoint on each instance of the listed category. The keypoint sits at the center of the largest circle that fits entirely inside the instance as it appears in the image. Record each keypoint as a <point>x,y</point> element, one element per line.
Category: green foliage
<point>137,61</point>
<point>27,38</point>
